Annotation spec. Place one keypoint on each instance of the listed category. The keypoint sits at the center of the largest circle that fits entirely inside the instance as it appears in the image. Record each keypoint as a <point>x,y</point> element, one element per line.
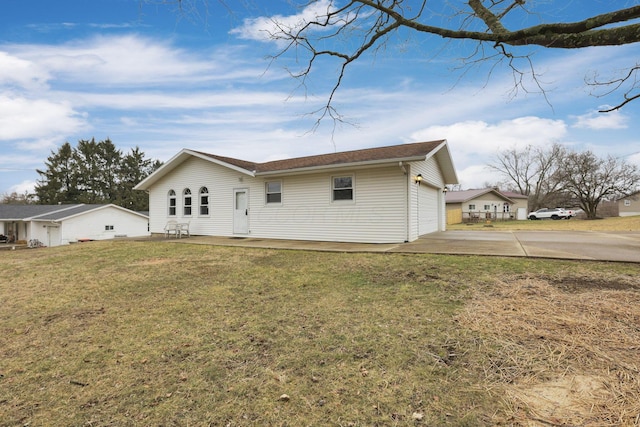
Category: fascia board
<point>221,163</point>
<point>324,168</point>
<point>176,160</point>
<point>443,157</point>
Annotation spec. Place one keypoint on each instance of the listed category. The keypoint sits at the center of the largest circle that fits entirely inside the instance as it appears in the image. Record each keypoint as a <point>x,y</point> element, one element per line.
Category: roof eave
<point>179,158</point>
<point>335,166</point>
<point>445,161</point>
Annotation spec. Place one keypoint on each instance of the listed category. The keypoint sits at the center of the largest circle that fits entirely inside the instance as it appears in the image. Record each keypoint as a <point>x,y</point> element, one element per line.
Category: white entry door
<point>241,211</point>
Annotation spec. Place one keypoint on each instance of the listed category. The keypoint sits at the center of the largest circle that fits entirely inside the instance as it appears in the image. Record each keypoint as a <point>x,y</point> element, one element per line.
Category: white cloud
<point>266,29</point>
<point>22,118</point>
<point>21,72</point>
<point>599,121</point>
<point>475,143</point>
<point>131,60</point>
<point>482,137</point>
<point>23,187</point>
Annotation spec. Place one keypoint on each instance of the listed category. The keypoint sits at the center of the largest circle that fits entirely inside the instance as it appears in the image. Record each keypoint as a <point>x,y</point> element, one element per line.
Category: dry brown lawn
<point>164,334</point>
<point>631,223</point>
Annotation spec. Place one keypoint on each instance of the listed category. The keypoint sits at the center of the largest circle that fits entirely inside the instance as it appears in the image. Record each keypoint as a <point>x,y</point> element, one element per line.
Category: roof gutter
<point>311,169</point>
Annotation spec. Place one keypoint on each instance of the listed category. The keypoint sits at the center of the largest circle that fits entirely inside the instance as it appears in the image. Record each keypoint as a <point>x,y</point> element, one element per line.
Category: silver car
<point>553,213</point>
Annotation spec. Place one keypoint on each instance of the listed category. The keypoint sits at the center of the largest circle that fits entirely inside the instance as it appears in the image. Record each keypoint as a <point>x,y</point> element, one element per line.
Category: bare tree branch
<point>345,31</point>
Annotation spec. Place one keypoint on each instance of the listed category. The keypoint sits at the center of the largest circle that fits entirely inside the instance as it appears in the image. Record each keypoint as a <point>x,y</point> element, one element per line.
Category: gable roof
<point>51,212</point>
<point>514,195</point>
<point>633,195</point>
<point>466,195</point>
<point>370,156</point>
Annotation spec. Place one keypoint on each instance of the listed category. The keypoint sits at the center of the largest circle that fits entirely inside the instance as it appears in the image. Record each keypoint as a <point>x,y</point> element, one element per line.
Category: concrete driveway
<point>587,245</point>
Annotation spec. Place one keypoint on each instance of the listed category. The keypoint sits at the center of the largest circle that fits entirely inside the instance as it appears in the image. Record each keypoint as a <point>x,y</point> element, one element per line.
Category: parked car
<point>553,213</point>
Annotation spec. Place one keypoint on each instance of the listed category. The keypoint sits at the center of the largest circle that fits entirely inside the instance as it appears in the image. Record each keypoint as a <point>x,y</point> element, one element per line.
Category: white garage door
<point>428,210</point>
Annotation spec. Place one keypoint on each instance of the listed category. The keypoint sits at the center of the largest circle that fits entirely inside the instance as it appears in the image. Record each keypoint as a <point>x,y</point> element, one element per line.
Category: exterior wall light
<point>417,179</point>
<point>444,191</point>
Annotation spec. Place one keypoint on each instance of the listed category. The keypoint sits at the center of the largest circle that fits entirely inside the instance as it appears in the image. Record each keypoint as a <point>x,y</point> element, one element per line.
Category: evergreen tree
<point>95,172</point>
<point>134,168</point>
<point>58,183</point>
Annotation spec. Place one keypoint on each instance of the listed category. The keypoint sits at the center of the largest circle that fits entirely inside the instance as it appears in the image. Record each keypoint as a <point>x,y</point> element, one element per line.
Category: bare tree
<point>532,171</point>
<point>16,198</point>
<point>346,30</point>
<point>591,179</point>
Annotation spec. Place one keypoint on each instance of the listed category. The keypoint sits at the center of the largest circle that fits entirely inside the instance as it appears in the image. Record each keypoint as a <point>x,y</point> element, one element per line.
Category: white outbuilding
<point>54,225</point>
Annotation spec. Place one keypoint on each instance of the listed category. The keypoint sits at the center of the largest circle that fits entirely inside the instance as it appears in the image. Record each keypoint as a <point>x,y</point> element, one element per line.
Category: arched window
<point>204,201</point>
<point>186,196</point>
<point>172,203</point>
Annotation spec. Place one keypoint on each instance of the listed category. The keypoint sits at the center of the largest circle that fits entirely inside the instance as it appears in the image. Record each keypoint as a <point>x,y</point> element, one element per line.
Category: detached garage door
<point>427,210</point>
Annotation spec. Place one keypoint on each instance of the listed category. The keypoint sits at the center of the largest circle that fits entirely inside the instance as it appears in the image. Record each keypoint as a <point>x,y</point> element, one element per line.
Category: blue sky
<point>146,75</point>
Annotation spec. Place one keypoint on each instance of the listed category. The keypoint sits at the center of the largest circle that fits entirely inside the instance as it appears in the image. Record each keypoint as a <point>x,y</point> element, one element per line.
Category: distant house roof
<point>633,195</point>
<point>380,155</point>
<point>50,212</point>
<point>514,195</point>
<point>466,195</point>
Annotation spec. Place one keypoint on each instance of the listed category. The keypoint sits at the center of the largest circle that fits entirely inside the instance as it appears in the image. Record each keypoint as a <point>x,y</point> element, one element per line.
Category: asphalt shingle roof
<point>345,157</point>
<point>43,212</point>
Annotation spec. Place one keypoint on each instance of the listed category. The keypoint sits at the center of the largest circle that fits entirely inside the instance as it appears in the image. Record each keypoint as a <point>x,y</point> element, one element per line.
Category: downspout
<point>406,200</point>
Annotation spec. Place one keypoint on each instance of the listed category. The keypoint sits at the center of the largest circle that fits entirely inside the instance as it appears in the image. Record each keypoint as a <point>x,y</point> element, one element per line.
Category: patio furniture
<point>183,228</point>
<point>171,228</point>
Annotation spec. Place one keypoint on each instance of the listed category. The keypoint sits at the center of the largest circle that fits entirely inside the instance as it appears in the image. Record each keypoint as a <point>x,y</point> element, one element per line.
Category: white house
<point>487,203</point>
<point>55,225</point>
<point>377,195</point>
<point>629,205</point>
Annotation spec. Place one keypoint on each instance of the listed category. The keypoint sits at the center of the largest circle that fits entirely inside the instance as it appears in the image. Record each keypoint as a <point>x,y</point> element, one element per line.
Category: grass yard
<point>162,334</point>
<point>629,223</point>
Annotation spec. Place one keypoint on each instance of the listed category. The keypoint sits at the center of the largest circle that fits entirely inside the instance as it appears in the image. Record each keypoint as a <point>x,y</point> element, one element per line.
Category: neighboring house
<point>486,203</point>
<point>377,195</point>
<point>55,225</point>
<point>629,205</point>
<point>520,204</point>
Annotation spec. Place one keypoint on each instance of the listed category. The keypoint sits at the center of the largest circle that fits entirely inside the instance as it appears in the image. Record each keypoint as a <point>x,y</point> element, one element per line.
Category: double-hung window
<point>273,191</point>
<point>172,203</point>
<point>204,201</point>
<point>186,207</point>
<point>342,188</point>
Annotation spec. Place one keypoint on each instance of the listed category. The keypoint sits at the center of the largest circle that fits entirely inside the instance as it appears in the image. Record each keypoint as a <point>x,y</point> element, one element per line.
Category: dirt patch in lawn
<point>561,351</point>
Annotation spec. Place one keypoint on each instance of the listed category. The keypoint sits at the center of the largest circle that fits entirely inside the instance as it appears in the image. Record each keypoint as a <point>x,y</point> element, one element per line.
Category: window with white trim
<point>186,200</point>
<point>204,201</point>
<point>342,188</point>
<point>487,207</point>
<point>472,207</point>
<point>273,192</point>
<point>172,203</point>
<point>108,228</point>
<point>627,202</point>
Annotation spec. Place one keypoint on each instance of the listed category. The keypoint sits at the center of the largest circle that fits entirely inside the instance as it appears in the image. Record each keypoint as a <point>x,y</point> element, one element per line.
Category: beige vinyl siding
<point>195,173</point>
<point>91,225</point>
<point>307,212</point>
<point>386,207</point>
<point>633,208</point>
